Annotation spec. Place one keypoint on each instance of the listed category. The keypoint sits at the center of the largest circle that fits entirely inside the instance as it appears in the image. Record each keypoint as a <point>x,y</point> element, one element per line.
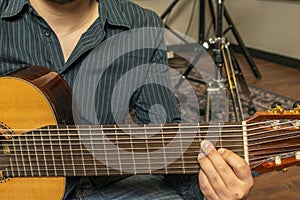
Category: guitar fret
<point>29,158</point>
<point>71,151</point>
<point>164,150</point>
<point>199,134</point>
<point>93,150</point>
<point>11,168</point>
<point>105,151</point>
<point>61,152</point>
<point>82,155</point>
<point>43,152</point>
<point>22,157</point>
<point>220,136</point>
<point>181,147</point>
<point>36,154</point>
<point>147,148</point>
<point>52,150</point>
<point>16,159</point>
<point>118,147</point>
<point>200,137</point>
<point>132,151</point>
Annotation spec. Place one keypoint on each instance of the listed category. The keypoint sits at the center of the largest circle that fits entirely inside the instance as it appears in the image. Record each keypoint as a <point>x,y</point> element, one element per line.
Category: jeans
<point>133,187</point>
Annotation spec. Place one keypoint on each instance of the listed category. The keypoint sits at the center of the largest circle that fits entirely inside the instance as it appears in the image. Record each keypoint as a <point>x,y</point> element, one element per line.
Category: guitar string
<point>253,156</point>
<point>254,164</point>
<point>254,141</point>
<point>37,166</point>
<point>139,161</point>
<point>189,167</point>
<point>133,143</point>
<point>196,151</point>
<point>145,126</point>
<point>155,128</point>
<point>154,163</point>
<point>151,149</point>
<point>124,129</point>
<point>89,167</point>
<point>61,135</point>
<point>257,158</point>
<point>157,139</point>
<point>265,152</point>
<point>189,151</point>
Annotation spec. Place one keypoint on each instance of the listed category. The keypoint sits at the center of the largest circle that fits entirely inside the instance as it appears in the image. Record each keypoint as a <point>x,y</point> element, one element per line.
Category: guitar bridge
<point>2,179</point>
<point>7,133</point>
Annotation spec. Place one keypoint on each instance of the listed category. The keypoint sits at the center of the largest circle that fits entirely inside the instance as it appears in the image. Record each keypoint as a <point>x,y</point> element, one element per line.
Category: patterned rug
<point>192,96</point>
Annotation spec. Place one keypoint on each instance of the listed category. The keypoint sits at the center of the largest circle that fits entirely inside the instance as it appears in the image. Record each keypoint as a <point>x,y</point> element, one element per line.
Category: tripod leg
<point>232,83</point>
<point>202,21</point>
<point>242,82</point>
<point>190,68</point>
<point>169,9</point>
<point>207,107</point>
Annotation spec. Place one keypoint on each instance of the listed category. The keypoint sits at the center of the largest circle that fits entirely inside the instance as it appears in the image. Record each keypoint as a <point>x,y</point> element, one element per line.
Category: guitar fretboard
<point>112,150</point>
<point>149,149</point>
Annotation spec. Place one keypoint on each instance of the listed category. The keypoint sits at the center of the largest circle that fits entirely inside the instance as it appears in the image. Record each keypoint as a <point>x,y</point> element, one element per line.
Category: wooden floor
<point>277,78</point>
<point>285,81</point>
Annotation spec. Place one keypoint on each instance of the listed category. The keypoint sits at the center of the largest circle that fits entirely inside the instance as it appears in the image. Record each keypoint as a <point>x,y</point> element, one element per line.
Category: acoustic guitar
<point>40,146</point>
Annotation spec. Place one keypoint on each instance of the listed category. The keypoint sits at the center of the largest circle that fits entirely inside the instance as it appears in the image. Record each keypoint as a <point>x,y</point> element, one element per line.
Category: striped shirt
<point>132,65</point>
<point>118,65</point>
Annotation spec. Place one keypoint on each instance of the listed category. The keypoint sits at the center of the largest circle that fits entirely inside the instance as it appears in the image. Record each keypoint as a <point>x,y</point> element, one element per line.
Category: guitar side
<point>24,106</point>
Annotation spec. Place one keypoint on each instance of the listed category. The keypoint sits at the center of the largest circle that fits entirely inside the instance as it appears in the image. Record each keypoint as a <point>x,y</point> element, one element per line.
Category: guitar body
<point>25,105</point>
<point>40,159</point>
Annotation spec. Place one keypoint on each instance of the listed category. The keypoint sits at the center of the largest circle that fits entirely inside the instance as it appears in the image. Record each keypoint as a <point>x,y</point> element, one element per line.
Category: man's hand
<point>224,175</point>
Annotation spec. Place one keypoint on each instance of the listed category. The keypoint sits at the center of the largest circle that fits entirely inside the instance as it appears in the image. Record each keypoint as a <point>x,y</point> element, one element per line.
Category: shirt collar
<point>108,9</point>
<point>13,8</point>
<point>111,11</point>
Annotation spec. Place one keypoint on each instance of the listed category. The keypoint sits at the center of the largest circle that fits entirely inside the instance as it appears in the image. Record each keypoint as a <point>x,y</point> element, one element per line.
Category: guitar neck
<point>116,150</point>
<point>149,149</point>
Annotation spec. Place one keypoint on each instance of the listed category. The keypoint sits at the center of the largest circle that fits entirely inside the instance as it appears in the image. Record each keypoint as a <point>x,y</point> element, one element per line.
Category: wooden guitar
<point>39,146</point>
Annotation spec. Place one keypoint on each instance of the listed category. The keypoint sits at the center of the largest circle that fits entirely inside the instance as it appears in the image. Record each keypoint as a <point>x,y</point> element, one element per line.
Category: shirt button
<point>47,33</point>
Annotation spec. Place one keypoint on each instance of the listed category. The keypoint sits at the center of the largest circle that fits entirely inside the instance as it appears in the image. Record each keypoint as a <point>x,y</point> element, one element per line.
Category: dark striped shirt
<point>133,67</point>
<point>27,40</point>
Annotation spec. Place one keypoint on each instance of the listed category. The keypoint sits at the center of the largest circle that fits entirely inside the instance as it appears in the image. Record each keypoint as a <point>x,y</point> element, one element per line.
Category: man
<point>60,35</point>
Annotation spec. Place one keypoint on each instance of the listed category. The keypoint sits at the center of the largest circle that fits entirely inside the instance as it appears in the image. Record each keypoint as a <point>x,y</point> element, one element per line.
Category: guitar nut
<point>297,155</point>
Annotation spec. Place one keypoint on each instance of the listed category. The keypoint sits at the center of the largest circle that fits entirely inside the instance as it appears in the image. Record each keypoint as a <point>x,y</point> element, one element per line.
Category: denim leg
<point>134,187</point>
<point>187,185</point>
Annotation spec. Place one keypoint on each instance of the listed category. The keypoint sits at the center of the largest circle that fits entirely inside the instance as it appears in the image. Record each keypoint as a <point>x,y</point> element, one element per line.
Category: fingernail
<point>221,151</point>
<point>206,146</point>
<point>201,155</point>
